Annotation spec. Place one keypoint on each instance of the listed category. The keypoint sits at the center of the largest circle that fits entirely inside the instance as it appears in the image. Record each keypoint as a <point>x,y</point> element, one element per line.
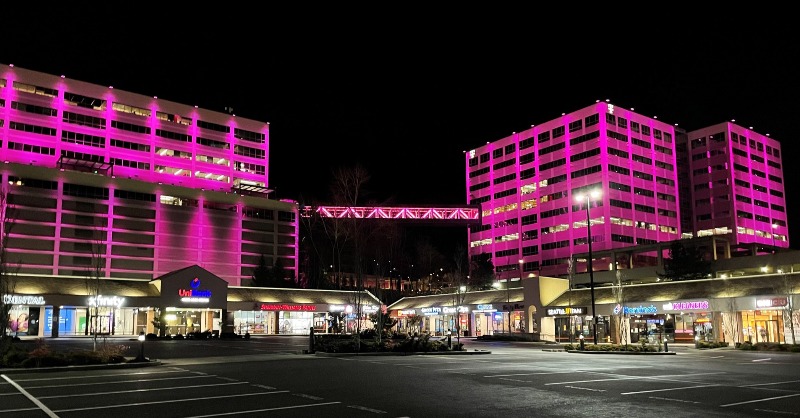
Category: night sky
<point>405,92</point>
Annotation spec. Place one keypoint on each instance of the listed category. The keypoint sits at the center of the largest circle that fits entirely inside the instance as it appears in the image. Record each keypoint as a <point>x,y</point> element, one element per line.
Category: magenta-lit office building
<point>527,185</point>
<point>735,187</point>
<point>654,183</point>
<point>146,185</point>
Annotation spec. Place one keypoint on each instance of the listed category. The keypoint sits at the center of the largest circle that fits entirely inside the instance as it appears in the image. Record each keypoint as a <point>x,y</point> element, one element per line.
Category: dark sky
<point>404,92</point>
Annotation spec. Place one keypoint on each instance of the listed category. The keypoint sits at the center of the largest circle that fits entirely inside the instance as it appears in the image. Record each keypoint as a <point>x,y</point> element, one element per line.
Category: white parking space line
<point>589,389</point>
<point>761,359</point>
<point>768,384</point>
<point>30,397</point>
<point>159,389</point>
<point>250,411</point>
<point>120,382</point>
<point>84,377</point>
<point>515,380</point>
<point>760,400</point>
<point>527,374</point>
<point>594,380</point>
<point>127,405</point>
<point>364,408</point>
<point>777,412</point>
<point>667,389</point>
<point>672,399</point>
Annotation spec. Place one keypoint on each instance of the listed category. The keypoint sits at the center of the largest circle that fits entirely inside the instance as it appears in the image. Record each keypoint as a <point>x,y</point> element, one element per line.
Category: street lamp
<point>141,338</point>
<point>774,227</point>
<point>594,194</point>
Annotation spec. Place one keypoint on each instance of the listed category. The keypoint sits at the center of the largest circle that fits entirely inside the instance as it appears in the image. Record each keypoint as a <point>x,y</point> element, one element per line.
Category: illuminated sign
<point>195,294</point>
<point>567,310</point>
<point>406,312</point>
<point>485,308</point>
<point>286,307</point>
<point>431,311</point>
<point>773,302</point>
<point>100,300</point>
<point>341,308</point>
<point>451,310</point>
<point>23,300</point>
<point>635,310</point>
<point>685,306</point>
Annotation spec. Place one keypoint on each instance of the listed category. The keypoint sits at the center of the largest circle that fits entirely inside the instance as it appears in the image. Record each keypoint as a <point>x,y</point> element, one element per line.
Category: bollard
<point>449,340</point>
<point>582,346</point>
<point>666,347</point>
<point>311,341</point>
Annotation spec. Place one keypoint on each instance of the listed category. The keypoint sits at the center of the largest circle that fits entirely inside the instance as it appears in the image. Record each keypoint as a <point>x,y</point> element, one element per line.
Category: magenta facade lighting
<point>737,185</point>
<point>523,184</point>
<point>443,214</point>
<point>587,199</point>
<point>161,185</point>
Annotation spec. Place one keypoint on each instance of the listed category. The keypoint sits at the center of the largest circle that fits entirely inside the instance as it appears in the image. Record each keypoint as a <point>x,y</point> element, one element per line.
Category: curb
<point>625,353</point>
<point>401,353</point>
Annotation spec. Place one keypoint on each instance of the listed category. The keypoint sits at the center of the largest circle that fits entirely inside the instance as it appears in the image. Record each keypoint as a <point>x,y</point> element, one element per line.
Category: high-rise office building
<point>736,187</point>
<point>143,185</point>
<point>534,187</point>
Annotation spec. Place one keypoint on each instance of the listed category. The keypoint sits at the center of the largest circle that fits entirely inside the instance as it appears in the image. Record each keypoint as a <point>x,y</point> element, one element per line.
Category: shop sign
<point>566,310</point>
<point>195,294</point>
<point>486,308</point>
<point>287,307</point>
<point>23,300</point>
<point>635,310</point>
<point>772,302</point>
<point>341,308</point>
<point>406,312</point>
<point>451,310</point>
<point>106,301</point>
<point>686,306</point>
<point>431,311</point>
<point>369,309</point>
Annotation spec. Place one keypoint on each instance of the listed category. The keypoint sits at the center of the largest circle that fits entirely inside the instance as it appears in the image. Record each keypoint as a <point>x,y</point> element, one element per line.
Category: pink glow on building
<point>526,185</point>
<point>160,184</point>
<point>409,213</point>
<point>737,187</point>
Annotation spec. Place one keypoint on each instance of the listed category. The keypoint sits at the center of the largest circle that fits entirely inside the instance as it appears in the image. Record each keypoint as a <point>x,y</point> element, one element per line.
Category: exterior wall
<point>527,186</point>
<point>737,185</point>
<point>60,219</point>
<point>153,185</point>
<point>149,139</point>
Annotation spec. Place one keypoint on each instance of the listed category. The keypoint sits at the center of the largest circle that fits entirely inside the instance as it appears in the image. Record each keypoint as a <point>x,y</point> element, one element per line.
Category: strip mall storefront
<point>299,319</point>
<point>567,323</point>
<point>182,302</point>
<point>674,321</point>
<point>469,320</point>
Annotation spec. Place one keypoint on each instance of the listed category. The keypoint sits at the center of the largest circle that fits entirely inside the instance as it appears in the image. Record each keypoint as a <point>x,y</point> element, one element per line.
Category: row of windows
<point>38,110</point>
<point>103,194</point>
<point>577,140</point>
<point>83,139</point>
<point>99,123</point>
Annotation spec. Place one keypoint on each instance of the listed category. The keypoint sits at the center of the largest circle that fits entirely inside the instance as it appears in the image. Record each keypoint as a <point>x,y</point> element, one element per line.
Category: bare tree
<point>622,318</point>
<point>731,322</point>
<point>785,287</point>
<point>94,273</point>
<point>8,280</point>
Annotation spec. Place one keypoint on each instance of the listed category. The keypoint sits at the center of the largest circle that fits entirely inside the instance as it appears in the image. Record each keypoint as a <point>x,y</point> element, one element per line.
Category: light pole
<point>461,291</point>
<point>774,227</point>
<point>594,194</point>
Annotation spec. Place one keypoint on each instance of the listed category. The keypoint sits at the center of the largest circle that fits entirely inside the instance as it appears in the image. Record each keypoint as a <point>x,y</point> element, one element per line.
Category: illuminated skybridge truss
<point>466,215</point>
